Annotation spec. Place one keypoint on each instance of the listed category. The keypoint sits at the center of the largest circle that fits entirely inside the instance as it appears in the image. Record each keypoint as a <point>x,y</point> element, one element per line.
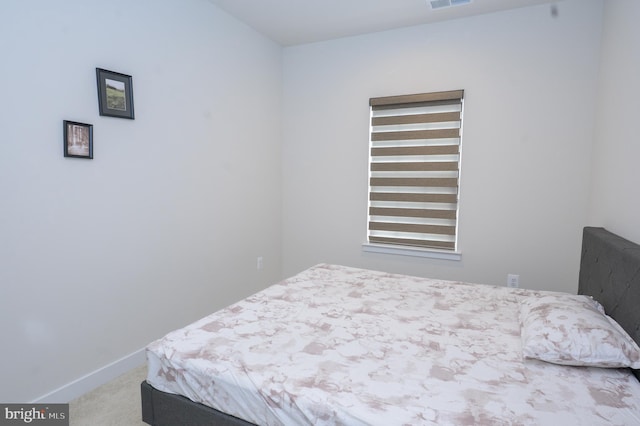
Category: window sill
<point>411,251</point>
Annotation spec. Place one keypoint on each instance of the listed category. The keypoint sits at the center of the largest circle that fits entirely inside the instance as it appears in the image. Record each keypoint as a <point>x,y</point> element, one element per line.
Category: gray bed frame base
<point>166,409</point>
<point>609,272</point>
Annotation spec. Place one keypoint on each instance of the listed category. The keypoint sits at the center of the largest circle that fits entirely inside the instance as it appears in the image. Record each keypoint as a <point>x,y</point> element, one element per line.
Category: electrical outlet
<point>513,280</point>
<point>259,263</point>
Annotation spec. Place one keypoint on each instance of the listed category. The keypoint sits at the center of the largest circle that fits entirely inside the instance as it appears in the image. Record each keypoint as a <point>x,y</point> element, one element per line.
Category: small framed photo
<point>115,94</point>
<point>78,139</point>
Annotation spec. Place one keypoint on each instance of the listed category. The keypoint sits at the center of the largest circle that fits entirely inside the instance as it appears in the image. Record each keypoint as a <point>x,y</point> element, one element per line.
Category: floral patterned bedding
<point>335,345</point>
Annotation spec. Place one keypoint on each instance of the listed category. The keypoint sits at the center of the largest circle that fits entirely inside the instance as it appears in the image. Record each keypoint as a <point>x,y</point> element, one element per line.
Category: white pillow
<point>573,330</point>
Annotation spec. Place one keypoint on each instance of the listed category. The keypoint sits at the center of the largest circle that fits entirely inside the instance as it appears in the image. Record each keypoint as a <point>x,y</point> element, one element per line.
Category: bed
<point>339,345</point>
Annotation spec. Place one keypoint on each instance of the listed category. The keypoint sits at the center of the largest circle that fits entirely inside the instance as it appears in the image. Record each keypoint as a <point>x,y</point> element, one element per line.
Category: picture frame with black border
<point>115,94</point>
<point>78,139</point>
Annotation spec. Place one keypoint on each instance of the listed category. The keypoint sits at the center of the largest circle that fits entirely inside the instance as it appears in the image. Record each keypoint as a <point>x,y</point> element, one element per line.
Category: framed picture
<point>115,94</point>
<point>78,139</point>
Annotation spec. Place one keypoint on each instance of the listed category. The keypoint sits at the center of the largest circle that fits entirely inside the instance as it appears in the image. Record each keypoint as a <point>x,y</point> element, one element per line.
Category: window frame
<point>420,134</point>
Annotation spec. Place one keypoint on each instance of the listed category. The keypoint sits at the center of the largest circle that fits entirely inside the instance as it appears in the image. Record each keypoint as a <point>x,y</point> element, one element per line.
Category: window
<point>415,170</point>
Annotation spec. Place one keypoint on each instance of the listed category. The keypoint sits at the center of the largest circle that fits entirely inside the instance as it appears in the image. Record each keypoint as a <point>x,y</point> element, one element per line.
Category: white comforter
<point>344,346</point>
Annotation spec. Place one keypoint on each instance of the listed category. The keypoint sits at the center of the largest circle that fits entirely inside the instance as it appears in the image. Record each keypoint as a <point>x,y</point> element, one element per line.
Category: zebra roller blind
<point>415,169</point>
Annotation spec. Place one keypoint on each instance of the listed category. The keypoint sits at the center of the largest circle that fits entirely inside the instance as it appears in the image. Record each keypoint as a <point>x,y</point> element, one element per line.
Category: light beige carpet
<point>116,403</point>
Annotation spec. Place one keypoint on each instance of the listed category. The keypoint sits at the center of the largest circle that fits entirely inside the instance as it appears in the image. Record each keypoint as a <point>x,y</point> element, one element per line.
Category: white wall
<point>99,257</point>
<point>530,91</point>
<point>615,203</point>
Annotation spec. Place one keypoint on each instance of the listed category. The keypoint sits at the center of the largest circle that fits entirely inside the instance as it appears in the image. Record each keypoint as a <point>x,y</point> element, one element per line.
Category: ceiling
<point>291,22</point>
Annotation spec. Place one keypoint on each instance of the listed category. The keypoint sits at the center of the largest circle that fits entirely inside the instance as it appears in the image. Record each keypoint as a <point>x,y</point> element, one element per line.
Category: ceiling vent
<point>439,4</point>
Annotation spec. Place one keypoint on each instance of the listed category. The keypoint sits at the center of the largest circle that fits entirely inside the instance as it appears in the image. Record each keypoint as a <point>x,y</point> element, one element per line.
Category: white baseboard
<point>92,380</point>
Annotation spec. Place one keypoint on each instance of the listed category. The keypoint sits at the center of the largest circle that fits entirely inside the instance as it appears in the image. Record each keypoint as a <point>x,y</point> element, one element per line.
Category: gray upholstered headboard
<point>610,273</point>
